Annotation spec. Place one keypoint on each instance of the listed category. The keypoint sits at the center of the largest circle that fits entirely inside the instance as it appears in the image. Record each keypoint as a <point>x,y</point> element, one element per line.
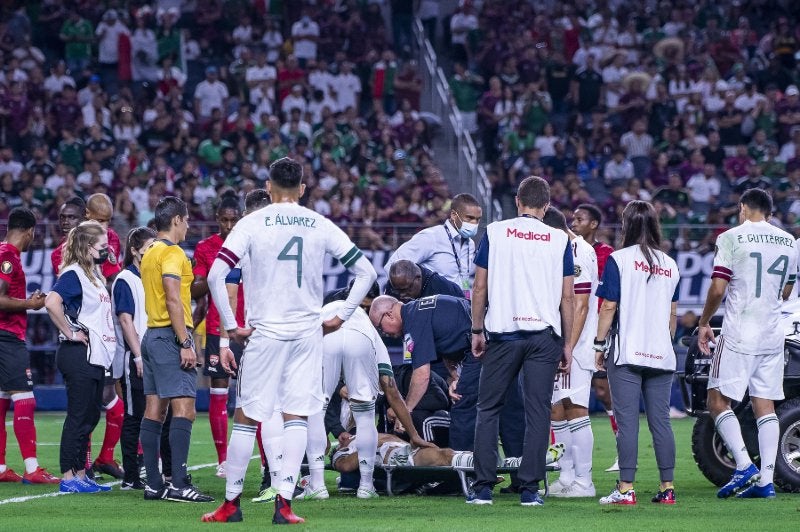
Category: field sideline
<point>697,508</point>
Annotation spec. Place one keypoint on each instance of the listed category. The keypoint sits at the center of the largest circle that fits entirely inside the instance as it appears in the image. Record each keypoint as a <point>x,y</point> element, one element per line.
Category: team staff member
<point>168,354</point>
<point>80,308</point>
<point>409,281</point>
<point>585,223</point>
<point>228,213</point>
<point>448,248</point>
<point>756,262</point>
<point>131,323</point>
<point>570,415</point>
<point>71,213</point>
<point>639,292</point>
<point>528,319</point>
<point>16,385</point>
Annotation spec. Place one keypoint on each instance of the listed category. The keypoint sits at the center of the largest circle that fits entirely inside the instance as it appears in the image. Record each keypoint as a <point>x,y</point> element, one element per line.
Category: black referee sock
<point>150,437</point>
<point>180,434</point>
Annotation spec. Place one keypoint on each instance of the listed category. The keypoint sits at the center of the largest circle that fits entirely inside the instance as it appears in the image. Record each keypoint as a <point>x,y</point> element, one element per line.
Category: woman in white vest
<point>639,289</point>
<point>80,307</point>
<point>128,300</point>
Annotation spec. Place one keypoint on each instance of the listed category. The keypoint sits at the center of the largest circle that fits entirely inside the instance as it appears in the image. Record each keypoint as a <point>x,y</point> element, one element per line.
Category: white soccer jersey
<point>526,262</point>
<point>586,281</point>
<point>359,322</point>
<point>284,245</point>
<point>758,260</point>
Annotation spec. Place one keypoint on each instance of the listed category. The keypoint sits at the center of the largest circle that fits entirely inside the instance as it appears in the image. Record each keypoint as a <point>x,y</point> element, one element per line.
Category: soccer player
<point>448,248</point>
<point>756,262</point>
<point>570,414</point>
<point>71,213</point>
<point>15,375</point>
<point>585,223</point>
<point>228,213</point>
<point>523,296</point>
<point>168,354</point>
<point>285,246</point>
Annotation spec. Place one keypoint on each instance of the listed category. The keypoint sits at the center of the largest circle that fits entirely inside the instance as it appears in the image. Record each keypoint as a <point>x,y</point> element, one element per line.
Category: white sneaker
<point>574,490</point>
<point>221,470</point>
<point>675,413</point>
<point>367,493</point>
<point>309,493</point>
<point>557,486</point>
<point>614,467</point>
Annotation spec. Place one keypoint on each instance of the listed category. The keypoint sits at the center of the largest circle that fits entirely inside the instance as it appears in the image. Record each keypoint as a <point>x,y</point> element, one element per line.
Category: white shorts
<point>350,351</point>
<point>733,374</point>
<point>574,386</point>
<point>280,375</point>
<point>395,453</point>
<point>118,363</point>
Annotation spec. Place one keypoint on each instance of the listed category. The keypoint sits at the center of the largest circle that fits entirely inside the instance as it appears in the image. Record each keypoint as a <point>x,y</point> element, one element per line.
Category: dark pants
<point>537,356</point>
<point>627,384</point>
<point>464,412</point>
<point>133,397</point>
<point>84,384</point>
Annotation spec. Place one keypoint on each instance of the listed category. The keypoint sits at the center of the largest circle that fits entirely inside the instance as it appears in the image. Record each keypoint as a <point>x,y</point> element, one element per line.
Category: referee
<point>524,274</point>
<point>168,354</point>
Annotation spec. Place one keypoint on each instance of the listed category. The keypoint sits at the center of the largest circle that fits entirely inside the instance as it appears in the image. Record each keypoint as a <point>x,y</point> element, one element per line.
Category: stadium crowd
<point>686,104</point>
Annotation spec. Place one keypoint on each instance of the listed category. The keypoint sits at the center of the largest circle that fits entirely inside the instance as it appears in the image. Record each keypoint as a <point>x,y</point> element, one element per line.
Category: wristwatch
<point>185,344</point>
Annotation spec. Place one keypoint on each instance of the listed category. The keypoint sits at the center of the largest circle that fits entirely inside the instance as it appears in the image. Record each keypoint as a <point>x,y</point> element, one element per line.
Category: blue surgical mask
<point>467,230</point>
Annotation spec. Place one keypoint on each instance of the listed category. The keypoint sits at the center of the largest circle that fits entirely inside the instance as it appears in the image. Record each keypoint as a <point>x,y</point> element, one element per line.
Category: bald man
<point>408,281</point>
<point>100,209</point>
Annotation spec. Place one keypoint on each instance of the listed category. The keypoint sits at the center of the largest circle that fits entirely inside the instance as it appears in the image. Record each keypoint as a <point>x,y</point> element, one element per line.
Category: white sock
<point>768,435</point>
<point>295,436</point>
<point>582,445</point>
<point>366,441</point>
<point>315,449</point>
<point>240,448</point>
<point>728,427</point>
<point>3,468</point>
<point>31,465</point>
<point>563,435</point>
<point>272,440</point>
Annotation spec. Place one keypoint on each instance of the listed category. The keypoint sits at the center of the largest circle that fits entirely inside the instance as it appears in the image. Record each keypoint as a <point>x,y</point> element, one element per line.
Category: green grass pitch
<point>697,508</point>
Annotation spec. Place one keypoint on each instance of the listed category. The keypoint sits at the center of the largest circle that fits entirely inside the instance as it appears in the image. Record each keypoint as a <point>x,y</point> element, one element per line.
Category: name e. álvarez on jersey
<point>304,221</point>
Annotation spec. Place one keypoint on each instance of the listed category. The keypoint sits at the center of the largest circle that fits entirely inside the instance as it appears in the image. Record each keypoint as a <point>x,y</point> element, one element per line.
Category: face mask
<point>102,256</point>
<point>468,230</point>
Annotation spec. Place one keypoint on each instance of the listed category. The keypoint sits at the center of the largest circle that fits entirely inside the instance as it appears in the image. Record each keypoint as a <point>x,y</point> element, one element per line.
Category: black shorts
<point>211,367</point>
<point>15,364</point>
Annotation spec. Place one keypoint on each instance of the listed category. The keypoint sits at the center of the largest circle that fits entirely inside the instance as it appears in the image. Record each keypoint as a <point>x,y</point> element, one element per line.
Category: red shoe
<point>228,512</point>
<point>40,476</point>
<point>9,476</point>
<point>284,514</point>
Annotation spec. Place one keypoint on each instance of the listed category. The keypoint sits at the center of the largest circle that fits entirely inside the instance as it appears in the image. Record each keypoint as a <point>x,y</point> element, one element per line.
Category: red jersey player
<point>16,384</point>
<point>228,213</point>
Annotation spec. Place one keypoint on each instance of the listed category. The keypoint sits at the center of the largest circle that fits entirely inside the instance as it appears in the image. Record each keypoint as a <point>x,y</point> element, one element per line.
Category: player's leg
<point>115,415</point>
<point>217,401</point>
<point>603,394</point>
<point>6,474</point>
<point>580,427</point>
<point>562,434</point>
<point>656,388</point>
<point>315,452</point>
<point>133,400</point>
<point>442,456</point>
<point>272,442</point>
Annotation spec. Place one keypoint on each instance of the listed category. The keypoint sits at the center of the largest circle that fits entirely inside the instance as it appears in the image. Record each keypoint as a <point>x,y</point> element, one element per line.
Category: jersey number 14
<point>779,267</point>
<point>297,256</point>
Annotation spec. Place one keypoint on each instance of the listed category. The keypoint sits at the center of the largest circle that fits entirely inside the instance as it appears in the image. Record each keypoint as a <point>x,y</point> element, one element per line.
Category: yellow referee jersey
<point>165,259</point>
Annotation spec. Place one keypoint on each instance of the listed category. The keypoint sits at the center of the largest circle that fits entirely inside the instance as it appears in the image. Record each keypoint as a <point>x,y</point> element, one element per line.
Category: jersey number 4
<point>779,267</point>
<point>297,256</point>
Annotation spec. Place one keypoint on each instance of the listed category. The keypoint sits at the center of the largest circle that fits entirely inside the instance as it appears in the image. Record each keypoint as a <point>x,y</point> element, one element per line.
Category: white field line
<point>115,483</point>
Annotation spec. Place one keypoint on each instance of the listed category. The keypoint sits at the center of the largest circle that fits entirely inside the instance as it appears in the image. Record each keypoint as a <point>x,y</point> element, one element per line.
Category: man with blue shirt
<point>409,281</point>
<point>522,303</point>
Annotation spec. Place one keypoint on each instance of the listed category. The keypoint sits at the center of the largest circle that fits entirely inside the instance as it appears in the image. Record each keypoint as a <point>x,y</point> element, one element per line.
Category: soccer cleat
<point>512,461</point>
<point>40,476</point>
<point>666,496</point>
<point>530,498</point>
<point>739,480</point>
<point>9,476</point>
<point>221,470</point>
<point>754,491</point>
<point>101,487</point>
<point>574,490</point>
<point>266,495</point>
<point>463,460</point>
<point>367,493</point>
<point>307,493</point>
<point>188,493</point>
<point>132,485</point>
<point>283,513</point>
<point>554,453</point>
<point>228,512</point>
<point>480,497</point>
<point>622,498</point>
<point>111,468</point>
<point>155,495</point>
<point>77,485</point>
<point>614,467</point>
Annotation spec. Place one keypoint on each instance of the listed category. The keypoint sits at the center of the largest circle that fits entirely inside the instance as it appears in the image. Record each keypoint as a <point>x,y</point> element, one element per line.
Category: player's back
<point>283,246</point>
<point>758,259</point>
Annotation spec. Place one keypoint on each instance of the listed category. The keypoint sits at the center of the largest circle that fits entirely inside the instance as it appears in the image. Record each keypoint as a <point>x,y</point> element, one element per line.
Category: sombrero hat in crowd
<point>643,78</point>
<point>669,48</point>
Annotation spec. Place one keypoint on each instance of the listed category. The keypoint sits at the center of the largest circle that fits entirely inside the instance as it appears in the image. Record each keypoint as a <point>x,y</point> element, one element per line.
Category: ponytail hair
<point>76,249</point>
<point>640,226</point>
<point>135,240</point>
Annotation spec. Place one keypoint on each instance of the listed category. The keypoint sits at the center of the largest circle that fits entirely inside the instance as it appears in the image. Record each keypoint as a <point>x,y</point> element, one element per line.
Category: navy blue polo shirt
<point>436,327</point>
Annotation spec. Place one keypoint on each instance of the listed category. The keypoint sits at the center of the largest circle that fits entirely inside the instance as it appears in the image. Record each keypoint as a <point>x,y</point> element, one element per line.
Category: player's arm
<point>200,284</point>
<point>400,408</point>
<point>12,304</point>
<point>673,319</point>
<point>226,260</point>
<point>581,312</point>
<point>567,308</point>
<point>341,247</point>
<point>720,277</point>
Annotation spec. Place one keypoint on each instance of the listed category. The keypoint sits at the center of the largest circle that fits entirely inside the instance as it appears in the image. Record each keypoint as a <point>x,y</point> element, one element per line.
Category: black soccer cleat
<point>155,495</point>
<point>189,493</point>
